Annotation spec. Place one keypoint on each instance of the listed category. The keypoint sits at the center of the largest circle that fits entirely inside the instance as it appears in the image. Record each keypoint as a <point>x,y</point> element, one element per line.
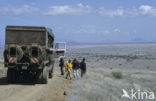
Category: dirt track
<point>53,91</point>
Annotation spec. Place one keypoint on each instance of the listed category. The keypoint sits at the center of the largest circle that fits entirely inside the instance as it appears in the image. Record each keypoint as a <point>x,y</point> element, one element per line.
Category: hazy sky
<point>93,21</point>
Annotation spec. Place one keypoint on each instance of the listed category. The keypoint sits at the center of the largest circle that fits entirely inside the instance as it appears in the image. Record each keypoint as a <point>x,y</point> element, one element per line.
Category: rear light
<point>12,59</point>
<point>34,60</point>
<point>12,55</point>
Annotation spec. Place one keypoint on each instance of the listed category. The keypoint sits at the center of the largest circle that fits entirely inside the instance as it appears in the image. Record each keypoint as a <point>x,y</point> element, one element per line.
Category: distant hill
<point>73,42</point>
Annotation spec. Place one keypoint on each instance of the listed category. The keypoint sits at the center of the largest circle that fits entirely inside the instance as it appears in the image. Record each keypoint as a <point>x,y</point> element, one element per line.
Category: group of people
<point>72,66</point>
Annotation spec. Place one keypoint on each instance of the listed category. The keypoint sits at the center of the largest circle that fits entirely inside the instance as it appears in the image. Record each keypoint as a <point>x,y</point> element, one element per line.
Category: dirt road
<point>53,91</point>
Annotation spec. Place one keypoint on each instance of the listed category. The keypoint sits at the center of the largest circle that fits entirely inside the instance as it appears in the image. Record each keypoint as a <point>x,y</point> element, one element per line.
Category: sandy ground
<point>53,91</point>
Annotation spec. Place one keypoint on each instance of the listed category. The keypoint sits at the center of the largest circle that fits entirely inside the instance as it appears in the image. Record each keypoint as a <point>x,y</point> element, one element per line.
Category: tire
<point>43,76</point>
<point>12,75</point>
<point>51,68</point>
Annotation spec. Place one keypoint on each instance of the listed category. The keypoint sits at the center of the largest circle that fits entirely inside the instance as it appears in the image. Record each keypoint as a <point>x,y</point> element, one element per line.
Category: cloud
<point>117,30</point>
<point>79,9</point>
<point>67,10</point>
<point>25,9</point>
<point>141,10</point>
<point>147,10</point>
<point>117,12</point>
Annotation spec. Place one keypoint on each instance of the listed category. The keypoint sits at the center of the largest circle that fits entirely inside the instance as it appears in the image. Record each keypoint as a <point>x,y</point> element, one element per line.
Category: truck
<point>30,53</point>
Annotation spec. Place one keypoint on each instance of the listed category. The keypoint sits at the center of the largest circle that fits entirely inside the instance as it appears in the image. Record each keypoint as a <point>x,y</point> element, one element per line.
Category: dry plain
<point>136,63</point>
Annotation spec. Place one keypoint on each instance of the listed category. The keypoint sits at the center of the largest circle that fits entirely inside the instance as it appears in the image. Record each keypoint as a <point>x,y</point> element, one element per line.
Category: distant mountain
<point>139,40</point>
<point>105,41</point>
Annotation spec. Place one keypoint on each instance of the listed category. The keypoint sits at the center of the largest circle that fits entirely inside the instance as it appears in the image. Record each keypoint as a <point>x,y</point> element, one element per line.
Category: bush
<point>117,75</point>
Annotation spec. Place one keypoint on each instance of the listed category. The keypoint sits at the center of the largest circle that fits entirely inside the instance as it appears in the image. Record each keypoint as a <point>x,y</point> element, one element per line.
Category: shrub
<point>117,75</point>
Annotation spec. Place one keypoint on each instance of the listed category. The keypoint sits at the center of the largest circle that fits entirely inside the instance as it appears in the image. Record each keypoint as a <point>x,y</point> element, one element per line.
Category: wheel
<point>51,65</point>
<point>51,68</point>
<point>43,76</point>
<point>11,75</point>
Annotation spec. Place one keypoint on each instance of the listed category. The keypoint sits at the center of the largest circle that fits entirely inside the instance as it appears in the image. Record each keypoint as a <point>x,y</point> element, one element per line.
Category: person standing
<point>75,68</point>
<point>61,64</point>
<point>83,67</point>
<point>68,66</point>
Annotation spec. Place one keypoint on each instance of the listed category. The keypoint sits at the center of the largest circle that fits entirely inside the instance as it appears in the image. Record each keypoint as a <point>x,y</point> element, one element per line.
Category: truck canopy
<point>28,35</point>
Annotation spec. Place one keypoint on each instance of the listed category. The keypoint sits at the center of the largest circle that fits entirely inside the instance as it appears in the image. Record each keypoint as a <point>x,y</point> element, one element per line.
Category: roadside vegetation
<point>117,75</point>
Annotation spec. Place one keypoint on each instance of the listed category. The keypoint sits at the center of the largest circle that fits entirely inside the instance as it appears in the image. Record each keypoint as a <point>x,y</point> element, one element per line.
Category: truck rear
<point>30,53</point>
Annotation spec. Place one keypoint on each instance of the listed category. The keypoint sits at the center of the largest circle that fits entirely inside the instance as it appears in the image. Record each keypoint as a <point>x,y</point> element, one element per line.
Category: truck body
<point>30,50</point>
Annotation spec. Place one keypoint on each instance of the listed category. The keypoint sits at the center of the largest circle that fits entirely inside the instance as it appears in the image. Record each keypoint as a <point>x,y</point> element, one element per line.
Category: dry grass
<point>104,80</point>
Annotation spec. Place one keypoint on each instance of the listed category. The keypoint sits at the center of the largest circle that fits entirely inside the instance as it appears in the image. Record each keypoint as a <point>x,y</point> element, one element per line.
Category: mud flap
<point>11,75</point>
